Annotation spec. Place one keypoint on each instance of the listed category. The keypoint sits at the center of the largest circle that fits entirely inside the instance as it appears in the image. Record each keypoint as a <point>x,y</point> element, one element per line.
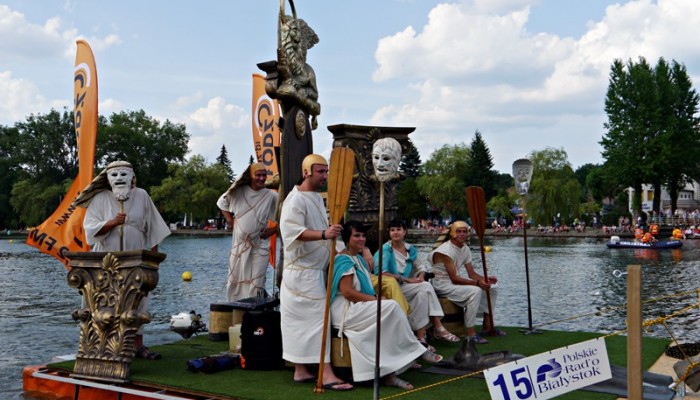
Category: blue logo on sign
<point>550,370</point>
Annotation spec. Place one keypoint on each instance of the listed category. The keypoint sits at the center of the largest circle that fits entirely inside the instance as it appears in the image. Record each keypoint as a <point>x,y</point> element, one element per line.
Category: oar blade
<point>476,203</point>
<point>342,166</point>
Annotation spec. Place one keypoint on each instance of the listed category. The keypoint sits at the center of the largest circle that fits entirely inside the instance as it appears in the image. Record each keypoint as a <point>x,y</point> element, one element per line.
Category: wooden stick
<point>476,202</point>
<point>339,185</point>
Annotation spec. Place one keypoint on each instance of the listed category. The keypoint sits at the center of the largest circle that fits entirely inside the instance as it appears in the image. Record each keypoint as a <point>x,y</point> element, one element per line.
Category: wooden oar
<point>476,202</point>
<point>340,172</point>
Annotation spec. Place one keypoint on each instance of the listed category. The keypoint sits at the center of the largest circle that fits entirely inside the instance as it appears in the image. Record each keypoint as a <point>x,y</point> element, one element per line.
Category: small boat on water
<point>616,243</point>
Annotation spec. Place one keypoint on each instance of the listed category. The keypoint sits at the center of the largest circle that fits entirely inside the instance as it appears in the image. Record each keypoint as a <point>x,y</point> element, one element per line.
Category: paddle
<point>476,202</point>
<point>342,165</point>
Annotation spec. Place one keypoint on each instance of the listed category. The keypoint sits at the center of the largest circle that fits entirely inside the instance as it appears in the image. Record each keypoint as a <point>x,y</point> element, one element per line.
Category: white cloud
<point>18,99</point>
<point>216,125</point>
<point>475,66</point>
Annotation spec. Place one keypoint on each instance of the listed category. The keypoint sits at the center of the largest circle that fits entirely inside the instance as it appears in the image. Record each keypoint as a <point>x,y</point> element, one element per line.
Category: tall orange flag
<point>266,133</point>
<point>266,139</point>
<point>63,230</point>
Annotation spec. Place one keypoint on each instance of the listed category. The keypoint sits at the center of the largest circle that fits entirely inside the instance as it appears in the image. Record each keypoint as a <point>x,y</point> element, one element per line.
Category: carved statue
<point>298,80</point>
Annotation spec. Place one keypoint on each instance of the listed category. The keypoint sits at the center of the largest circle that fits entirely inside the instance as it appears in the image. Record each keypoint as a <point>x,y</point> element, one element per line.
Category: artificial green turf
<point>171,370</point>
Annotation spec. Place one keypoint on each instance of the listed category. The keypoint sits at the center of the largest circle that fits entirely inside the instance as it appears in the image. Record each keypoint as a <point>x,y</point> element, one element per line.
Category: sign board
<point>551,374</point>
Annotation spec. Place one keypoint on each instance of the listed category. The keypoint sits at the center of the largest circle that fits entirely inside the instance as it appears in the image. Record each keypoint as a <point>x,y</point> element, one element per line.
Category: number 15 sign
<point>547,375</point>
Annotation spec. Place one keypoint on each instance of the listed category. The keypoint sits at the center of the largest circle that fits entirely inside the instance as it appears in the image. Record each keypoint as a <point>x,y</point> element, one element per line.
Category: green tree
<point>651,125</point>
<point>581,174</point>
<point>683,138</point>
<point>147,143</point>
<point>192,187</point>
<point>223,160</point>
<point>481,171</point>
<point>553,188</point>
<point>46,160</point>
<point>503,202</point>
<point>442,180</point>
<point>410,161</point>
<point>630,104</point>
<point>11,172</point>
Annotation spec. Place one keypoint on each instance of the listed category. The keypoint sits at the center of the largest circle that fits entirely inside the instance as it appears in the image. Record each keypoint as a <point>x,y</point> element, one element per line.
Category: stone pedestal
<point>364,197</point>
<point>112,285</point>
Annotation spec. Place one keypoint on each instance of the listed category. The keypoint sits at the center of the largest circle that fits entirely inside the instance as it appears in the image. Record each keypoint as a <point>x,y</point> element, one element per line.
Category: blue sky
<point>527,74</point>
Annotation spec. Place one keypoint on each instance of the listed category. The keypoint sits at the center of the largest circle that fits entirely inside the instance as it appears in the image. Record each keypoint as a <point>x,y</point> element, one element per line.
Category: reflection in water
<point>568,277</point>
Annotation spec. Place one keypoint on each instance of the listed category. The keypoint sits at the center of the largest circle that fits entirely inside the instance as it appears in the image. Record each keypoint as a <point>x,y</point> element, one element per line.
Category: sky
<point>527,74</point>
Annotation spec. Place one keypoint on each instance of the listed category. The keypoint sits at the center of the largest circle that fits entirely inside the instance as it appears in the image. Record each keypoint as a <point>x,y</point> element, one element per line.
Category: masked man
<point>247,207</point>
<point>122,217</point>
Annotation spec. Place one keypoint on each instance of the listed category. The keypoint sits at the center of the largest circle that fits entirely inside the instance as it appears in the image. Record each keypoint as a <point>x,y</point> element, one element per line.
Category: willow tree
<point>554,188</point>
<point>442,180</point>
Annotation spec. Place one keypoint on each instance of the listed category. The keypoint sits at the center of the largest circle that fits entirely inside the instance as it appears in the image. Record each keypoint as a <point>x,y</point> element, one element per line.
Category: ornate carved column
<point>364,197</point>
<point>112,285</point>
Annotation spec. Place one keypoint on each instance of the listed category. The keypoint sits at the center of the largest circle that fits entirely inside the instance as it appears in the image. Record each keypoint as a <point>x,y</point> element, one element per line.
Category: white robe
<point>249,256</point>
<point>358,321</point>
<point>420,296</point>
<point>144,227</point>
<point>303,291</point>
<point>471,298</point>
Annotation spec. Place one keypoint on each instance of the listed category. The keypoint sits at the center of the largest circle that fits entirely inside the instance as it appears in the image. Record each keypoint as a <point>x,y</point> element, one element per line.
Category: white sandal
<point>442,333</point>
<point>395,381</point>
<point>430,357</point>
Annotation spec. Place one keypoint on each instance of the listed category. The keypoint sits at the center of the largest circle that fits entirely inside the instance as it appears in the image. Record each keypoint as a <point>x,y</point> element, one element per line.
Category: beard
<point>121,193</point>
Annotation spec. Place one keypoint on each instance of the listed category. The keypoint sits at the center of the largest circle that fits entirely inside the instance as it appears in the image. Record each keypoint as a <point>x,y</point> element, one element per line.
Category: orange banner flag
<point>266,133</point>
<point>63,230</point>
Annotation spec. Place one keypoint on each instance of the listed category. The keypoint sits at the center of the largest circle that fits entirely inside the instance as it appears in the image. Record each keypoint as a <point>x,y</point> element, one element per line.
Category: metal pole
<point>379,291</point>
<point>529,329</point>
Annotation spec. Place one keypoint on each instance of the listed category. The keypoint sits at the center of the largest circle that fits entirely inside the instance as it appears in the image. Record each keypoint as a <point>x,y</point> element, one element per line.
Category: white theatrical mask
<point>120,179</point>
<point>386,155</point>
<point>522,172</point>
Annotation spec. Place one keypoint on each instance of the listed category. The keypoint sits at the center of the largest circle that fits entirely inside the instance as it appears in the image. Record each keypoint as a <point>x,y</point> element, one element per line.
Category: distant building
<point>688,199</point>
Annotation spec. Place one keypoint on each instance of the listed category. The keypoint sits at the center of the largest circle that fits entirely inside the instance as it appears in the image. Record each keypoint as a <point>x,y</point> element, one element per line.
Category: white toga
<point>471,298</point>
<point>358,321</point>
<point>420,296</point>
<point>144,227</point>
<point>303,291</point>
<point>248,260</point>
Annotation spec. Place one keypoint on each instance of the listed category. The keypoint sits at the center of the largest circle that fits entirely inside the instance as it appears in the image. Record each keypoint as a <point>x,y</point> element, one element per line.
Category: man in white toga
<point>305,234</point>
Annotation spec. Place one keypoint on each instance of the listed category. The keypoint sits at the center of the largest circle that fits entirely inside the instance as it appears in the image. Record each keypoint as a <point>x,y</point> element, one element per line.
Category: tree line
<point>650,136</point>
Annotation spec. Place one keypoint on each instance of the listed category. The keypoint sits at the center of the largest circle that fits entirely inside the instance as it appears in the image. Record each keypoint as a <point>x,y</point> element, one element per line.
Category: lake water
<point>569,277</point>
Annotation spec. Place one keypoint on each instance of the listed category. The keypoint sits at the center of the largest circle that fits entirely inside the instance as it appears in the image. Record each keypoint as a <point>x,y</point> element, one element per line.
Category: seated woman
<point>354,314</point>
<point>400,261</point>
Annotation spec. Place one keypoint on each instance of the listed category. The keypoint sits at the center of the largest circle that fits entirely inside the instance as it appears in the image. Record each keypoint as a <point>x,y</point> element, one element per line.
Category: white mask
<point>386,155</point>
<point>120,179</point>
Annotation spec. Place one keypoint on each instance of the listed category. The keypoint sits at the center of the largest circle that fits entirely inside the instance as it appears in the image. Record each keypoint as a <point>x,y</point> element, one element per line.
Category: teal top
<point>342,264</point>
<point>389,261</point>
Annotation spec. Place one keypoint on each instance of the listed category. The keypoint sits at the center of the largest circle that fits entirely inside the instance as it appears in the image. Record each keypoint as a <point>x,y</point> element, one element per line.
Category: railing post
<point>634,332</point>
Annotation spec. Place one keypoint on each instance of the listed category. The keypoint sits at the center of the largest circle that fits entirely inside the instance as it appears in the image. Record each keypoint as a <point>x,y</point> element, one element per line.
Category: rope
<point>647,323</point>
<point>606,310</point>
<point>432,385</point>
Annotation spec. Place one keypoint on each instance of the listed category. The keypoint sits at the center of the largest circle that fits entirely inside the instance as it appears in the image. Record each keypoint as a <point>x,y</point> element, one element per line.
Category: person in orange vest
<point>648,238</point>
<point>654,229</point>
<point>677,233</point>
<point>638,233</point>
